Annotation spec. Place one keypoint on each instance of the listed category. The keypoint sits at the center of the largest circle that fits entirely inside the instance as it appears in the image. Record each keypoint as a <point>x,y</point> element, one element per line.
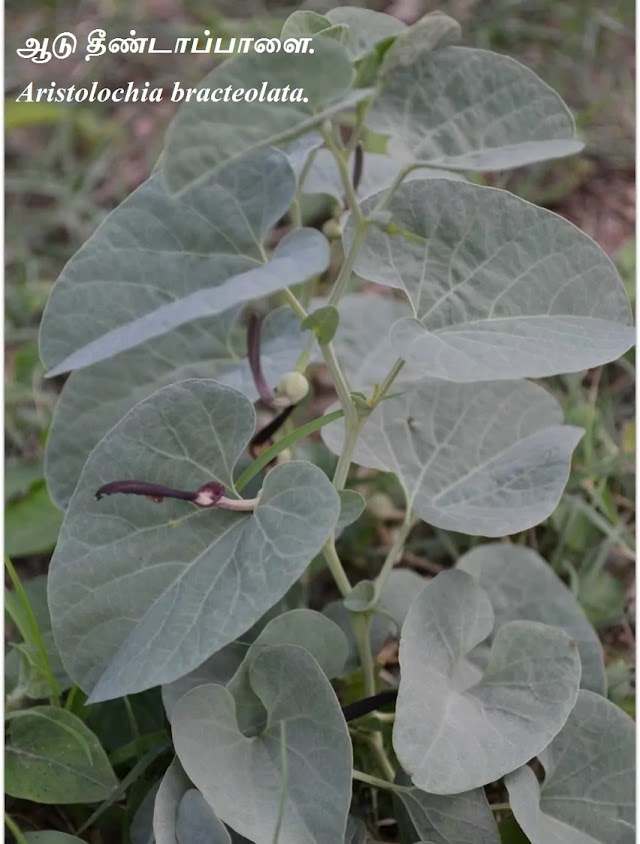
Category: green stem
<point>294,303</point>
<point>500,807</point>
<point>341,157</point>
<point>395,552</point>
<point>34,631</point>
<point>15,830</point>
<point>335,567</point>
<point>383,389</point>
<point>346,270</point>
<point>273,451</point>
<point>378,783</point>
<point>351,419</point>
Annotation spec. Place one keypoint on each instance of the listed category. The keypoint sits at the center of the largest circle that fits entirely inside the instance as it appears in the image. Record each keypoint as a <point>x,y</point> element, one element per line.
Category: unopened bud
<point>291,389</point>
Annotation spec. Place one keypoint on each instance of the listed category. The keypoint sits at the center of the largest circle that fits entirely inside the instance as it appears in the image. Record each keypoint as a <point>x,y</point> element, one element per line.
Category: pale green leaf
<point>588,794</point>
<point>304,24</point>
<point>141,828</point>
<point>241,777</point>
<point>448,819</point>
<point>432,31</point>
<point>51,836</point>
<point>366,29</point>
<point>94,399</point>
<point>205,138</point>
<point>197,823</point>
<point>352,505</point>
<point>52,757</point>
<point>522,586</point>
<point>489,459</point>
<point>499,288</point>
<point>470,109</point>
<point>153,250</point>
<point>173,786</point>
<point>31,523</point>
<point>299,256</point>
<point>307,629</point>
<point>142,593</point>
<point>452,738</point>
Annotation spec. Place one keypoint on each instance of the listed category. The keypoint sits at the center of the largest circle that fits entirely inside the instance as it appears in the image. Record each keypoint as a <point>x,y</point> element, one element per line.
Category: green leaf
<point>52,757</point>
<point>235,772</point>
<point>352,506</point>
<point>448,819</point>
<point>588,793</point>
<point>299,256</point>
<point>499,288</point>
<point>400,590</point>
<point>305,628</point>
<point>302,24</point>
<point>489,459</point>
<point>142,593</point>
<point>323,323</point>
<point>314,632</point>
<point>51,836</point>
<point>206,138</point>
<point>432,31</point>
<point>366,29</point>
<point>94,399</point>
<point>173,786</point>
<point>470,110</point>
<point>31,523</point>
<point>153,250</point>
<point>451,737</point>
<point>197,823</point>
<point>141,828</point>
<point>522,586</point>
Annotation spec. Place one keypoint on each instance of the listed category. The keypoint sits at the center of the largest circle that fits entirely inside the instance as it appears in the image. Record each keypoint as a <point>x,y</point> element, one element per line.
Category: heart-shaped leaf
<point>94,399</point>
<point>142,593</point>
<point>489,459</point>
<point>588,794</point>
<point>471,110</point>
<point>307,629</point>
<point>52,757</point>
<point>448,819</point>
<point>499,288</point>
<point>522,586</point>
<point>451,738</point>
<point>243,778</point>
<point>154,250</point>
<point>197,823</point>
<point>206,138</point>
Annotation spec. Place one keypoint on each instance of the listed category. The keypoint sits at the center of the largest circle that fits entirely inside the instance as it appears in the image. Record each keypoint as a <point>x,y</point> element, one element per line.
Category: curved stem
<point>395,552</point>
<point>335,567</point>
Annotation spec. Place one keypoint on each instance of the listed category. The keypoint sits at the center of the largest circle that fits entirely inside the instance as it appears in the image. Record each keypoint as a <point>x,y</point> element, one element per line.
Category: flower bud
<point>291,389</point>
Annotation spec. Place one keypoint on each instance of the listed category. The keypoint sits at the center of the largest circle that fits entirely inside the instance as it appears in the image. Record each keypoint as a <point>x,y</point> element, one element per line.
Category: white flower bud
<point>285,456</point>
<point>291,389</point>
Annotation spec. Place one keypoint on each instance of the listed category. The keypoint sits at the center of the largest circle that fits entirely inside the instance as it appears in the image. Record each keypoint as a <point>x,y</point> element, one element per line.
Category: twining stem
<point>346,270</point>
<point>395,552</point>
<point>341,157</point>
<point>383,388</point>
<point>32,634</point>
<point>351,420</point>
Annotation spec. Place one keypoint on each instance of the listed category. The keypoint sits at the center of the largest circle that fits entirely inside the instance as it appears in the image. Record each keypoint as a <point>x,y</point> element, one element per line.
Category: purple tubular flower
<point>211,494</point>
<point>253,352</point>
